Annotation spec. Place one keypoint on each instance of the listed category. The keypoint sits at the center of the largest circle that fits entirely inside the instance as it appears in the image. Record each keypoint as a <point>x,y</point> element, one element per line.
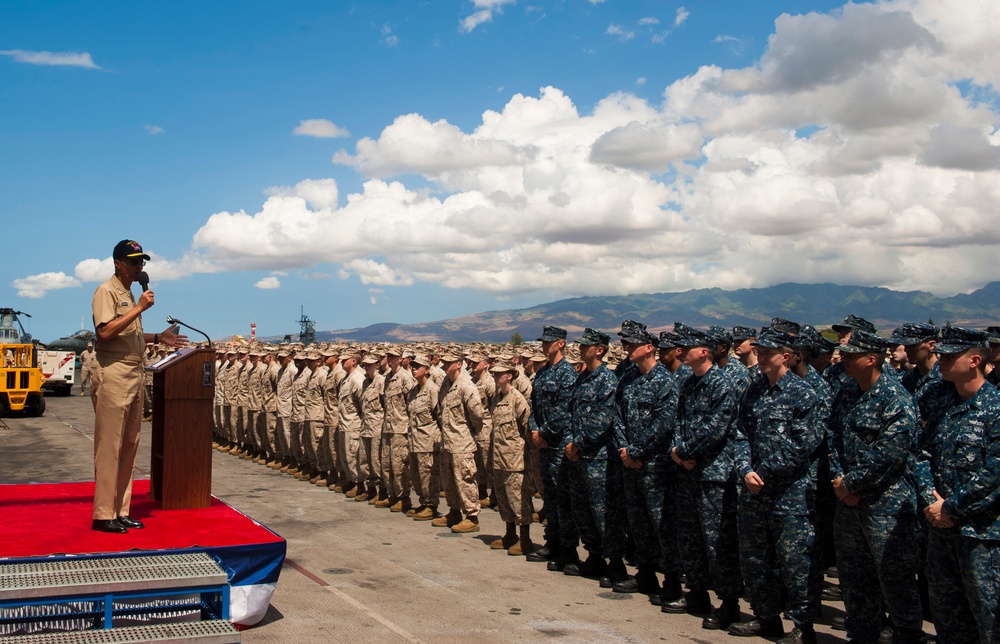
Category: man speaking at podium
<point>118,392</point>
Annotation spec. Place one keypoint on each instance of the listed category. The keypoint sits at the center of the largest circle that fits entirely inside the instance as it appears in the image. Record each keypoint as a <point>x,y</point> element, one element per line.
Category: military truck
<point>20,378</point>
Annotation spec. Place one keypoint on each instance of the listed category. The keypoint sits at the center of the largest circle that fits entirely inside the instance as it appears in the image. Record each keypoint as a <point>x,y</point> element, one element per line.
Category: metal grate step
<point>207,632</point>
<point>102,563</point>
<point>26,581</point>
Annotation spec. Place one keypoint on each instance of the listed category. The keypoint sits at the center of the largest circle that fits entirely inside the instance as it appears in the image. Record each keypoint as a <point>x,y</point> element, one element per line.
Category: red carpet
<point>41,519</point>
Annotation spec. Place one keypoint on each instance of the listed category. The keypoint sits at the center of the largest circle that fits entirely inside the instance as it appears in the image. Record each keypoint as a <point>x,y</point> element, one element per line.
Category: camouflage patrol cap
<point>681,329</point>
<point>503,366</point>
<point>527,354</point>
<point>420,360</point>
<point>475,357</point>
<point>955,339</point>
<point>852,322</point>
<point>635,333</point>
<point>741,333</point>
<point>864,342</point>
<point>786,326</point>
<point>695,338</point>
<point>394,350</point>
<point>774,339</point>
<point>913,333</point>
<point>370,360</point>
<point>593,336</point>
<point>449,357</point>
<point>552,333</point>
<point>721,335</point>
<point>630,327</point>
<point>810,336</point>
<point>993,334</point>
<point>539,357</point>
<point>667,340</point>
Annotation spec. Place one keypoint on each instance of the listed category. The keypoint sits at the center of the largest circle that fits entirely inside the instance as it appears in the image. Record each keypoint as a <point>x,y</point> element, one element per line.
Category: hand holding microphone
<point>146,300</point>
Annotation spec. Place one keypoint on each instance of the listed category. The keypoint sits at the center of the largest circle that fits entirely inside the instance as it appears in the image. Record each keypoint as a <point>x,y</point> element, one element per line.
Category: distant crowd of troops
<point>723,461</point>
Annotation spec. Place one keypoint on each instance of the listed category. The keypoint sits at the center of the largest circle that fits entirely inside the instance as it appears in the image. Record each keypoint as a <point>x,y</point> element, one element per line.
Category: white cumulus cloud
<point>36,286</point>
<point>269,282</point>
<point>320,128</point>
<point>153,130</point>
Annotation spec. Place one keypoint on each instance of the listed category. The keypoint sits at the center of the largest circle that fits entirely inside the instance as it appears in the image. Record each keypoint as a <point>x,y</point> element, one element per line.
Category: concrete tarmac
<point>360,574</point>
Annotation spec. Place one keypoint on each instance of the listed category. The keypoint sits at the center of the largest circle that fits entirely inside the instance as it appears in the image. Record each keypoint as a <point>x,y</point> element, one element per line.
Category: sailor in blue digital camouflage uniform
<point>626,369</point>
<point>742,347</point>
<point>919,341</point>
<point>872,436</point>
<point>706,487</point>
<point>595,477</point>
<point>738,375</point>
<point>834,374</point>
<point>549,423</point>
<point>668,353</point>
<point>805,347</point>
<point>993,362</point>
<point>648,411</point>
<point>777,434</point>
<point>958,478</point>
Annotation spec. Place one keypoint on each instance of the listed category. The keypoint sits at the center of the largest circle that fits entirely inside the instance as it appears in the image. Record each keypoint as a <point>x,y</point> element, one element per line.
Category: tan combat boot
<point>508,539</point>
<point>446,521</point>
<point>424,514</point>
<point>470,524</point>
<point>523,545</point>
<point>383,503</point>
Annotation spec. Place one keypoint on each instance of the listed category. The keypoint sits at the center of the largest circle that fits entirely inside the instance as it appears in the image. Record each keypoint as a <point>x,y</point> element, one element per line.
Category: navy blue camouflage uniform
<point>648,412</point>
<point>595,481</point>
<point>959,458</point>
<point>550,417</point>
<point>777,434</point>
<point>706,500</point>
<point>872,436</point>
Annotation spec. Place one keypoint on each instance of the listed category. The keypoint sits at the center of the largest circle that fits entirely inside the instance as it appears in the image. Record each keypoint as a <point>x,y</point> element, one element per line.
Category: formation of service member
<point>87,360</point>
<point>118,392</point>
<point>703,481</point>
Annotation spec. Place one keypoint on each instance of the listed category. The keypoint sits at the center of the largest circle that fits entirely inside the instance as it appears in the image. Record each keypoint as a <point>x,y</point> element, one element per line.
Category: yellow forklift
<point>20,378</point>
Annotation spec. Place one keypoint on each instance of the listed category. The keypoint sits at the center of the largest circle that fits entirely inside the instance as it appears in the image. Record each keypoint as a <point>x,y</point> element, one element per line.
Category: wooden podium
<point>181,463</point>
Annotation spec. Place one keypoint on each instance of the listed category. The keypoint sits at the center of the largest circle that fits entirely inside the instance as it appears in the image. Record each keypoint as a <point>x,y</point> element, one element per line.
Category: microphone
<point>172,320</point>
<point>143,280</point>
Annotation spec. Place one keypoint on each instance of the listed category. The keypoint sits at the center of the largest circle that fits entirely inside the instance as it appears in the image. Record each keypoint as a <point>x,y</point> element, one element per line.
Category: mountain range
<point>818,304</point>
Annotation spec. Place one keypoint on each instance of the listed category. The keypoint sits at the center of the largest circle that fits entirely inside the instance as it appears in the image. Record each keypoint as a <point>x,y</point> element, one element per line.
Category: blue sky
<point>405,162</point>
